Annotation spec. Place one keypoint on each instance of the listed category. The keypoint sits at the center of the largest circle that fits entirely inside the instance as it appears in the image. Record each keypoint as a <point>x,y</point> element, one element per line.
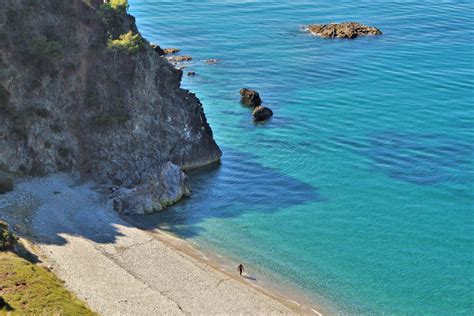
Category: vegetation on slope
<point>7,240</point>
<point>120,5</point>
<point>29,289</point>
<point>129,43</point>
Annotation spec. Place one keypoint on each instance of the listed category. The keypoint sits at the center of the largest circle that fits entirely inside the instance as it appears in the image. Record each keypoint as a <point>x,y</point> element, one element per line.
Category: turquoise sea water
<point>359,191</point>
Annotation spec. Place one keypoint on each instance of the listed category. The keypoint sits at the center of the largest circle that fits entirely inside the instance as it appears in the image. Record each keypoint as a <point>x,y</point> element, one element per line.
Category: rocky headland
<point>81,90</point>
<point>342,30</point>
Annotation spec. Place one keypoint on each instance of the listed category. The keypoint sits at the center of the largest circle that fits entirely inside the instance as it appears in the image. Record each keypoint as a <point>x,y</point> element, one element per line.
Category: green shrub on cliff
<point>7,240</point>
<point>109,15</point>
<point>41,52</point>
<point>46,47</point>
<point>120,6</point>
<point>128,43</point>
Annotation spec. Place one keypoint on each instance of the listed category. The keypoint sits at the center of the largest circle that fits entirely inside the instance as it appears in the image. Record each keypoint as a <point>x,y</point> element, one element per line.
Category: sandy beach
<point>118,269</point>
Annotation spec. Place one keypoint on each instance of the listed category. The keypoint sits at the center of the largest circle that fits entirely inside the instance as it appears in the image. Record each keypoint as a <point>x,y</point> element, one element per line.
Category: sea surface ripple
<point>359,192</point>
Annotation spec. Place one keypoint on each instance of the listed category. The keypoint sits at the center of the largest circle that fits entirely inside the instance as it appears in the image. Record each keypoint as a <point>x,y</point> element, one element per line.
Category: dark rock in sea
<point>179,59</point>
<point>157,49</point>
<point>262,113</point>
<point>6,183</point>
<point>212,61</point>
<point>79,99</point>
<point>169,51</point>
<point>342,30</point>
<point>250,97</point>
<point>191,73</point>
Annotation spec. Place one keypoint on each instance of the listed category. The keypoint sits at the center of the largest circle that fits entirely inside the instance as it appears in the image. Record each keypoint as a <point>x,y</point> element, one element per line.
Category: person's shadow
<point>249,278</point>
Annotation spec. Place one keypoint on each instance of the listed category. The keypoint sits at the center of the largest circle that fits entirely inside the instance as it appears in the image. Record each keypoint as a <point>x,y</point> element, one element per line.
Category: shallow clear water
<point>360,190</point>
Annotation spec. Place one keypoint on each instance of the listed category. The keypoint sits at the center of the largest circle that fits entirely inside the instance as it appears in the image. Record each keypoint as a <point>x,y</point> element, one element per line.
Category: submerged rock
<point>250,97</point>
<point>262,113</point>
<point>191,73</point>
<point>157,193</point>
<point>342,30</point>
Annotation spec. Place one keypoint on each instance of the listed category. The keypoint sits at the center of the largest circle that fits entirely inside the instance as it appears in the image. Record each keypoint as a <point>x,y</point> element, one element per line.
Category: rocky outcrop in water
<point>169,51</point>
<point>179,59</point>
<point>261,113</point>
<point>250,97</point>
<point>164,51</point>
<point>342,30</point>
<point>80,89</point>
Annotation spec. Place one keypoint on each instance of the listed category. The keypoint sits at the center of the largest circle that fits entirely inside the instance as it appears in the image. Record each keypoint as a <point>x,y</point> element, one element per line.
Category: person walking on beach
<point>240,268</point>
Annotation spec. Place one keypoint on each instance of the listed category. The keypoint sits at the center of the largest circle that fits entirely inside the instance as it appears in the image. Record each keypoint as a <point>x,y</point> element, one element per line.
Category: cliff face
<point>81,90</point>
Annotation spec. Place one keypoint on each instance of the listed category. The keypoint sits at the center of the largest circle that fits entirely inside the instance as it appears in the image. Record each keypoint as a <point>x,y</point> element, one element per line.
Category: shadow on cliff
<point>239,185</point>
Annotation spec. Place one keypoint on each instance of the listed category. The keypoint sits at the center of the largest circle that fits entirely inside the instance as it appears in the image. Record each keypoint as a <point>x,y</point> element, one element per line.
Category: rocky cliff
<point>80,89</point>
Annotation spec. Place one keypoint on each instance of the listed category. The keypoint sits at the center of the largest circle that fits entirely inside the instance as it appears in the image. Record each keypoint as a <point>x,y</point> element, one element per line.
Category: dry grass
<point>30,289</point>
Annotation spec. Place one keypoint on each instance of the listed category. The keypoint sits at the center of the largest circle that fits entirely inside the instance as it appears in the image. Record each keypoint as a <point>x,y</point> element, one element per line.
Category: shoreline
<point>118,268</point>
<point>207,257</point>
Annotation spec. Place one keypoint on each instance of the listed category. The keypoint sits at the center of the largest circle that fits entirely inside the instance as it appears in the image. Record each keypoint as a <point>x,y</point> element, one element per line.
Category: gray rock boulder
<point>157,193</point>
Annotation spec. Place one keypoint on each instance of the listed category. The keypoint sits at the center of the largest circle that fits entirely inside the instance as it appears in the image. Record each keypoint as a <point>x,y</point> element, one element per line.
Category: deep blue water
<point>359,191</point>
